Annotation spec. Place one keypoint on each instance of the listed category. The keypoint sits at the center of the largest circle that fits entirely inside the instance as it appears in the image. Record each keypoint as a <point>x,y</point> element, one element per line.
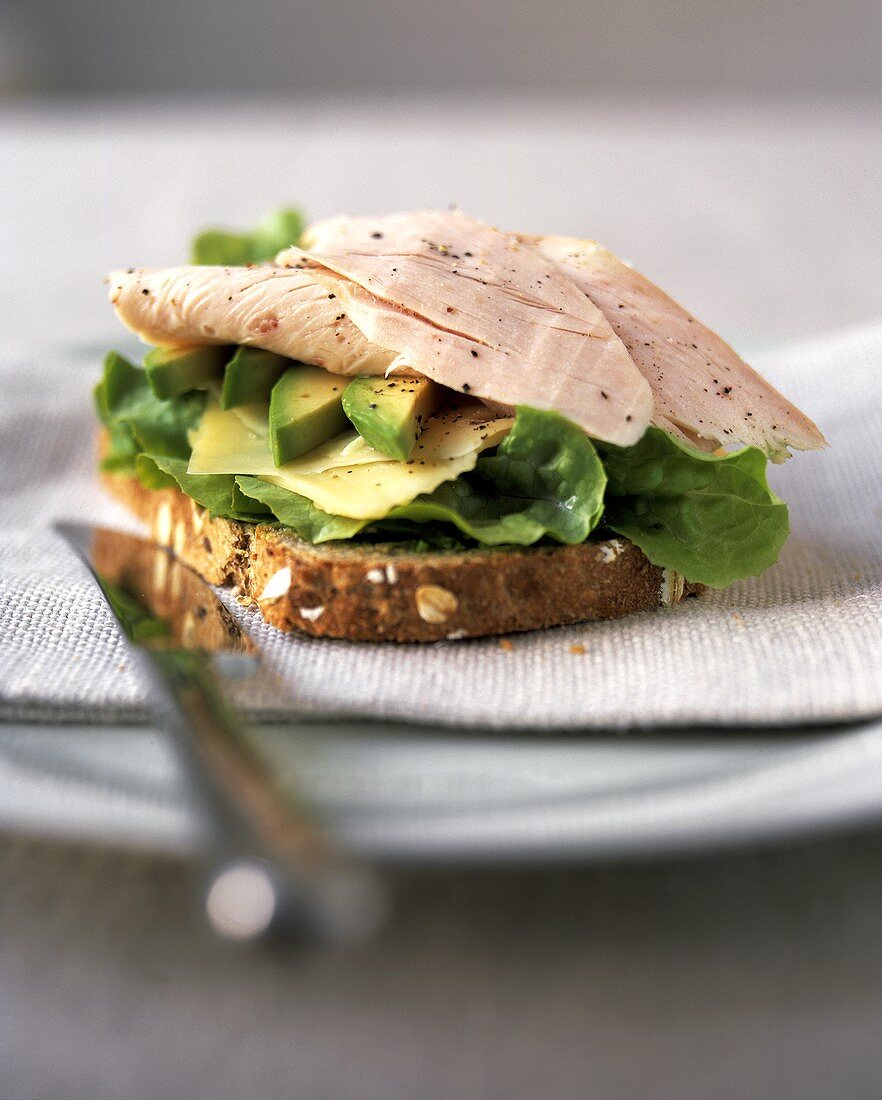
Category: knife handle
<point>275,870</point>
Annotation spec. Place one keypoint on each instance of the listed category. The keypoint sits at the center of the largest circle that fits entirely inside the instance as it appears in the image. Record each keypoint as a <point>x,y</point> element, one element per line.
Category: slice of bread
<point>380,592</point>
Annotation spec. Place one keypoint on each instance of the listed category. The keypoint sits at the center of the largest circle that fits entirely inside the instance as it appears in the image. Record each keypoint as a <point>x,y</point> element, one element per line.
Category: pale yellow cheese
<point>255,416</point>
<point>448,447</point>
<point>346,476</point>
<point>347,449</point>
<point>224,444</point>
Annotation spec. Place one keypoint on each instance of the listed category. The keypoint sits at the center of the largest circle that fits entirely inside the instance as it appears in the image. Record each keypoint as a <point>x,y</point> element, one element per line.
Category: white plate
<point>416,794</point>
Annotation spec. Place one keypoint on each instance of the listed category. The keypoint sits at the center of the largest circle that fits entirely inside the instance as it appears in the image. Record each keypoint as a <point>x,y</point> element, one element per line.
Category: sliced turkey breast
<point>699,382</point>
<point>478,311</point>
<point>703,391</point>
<point>280,309</point>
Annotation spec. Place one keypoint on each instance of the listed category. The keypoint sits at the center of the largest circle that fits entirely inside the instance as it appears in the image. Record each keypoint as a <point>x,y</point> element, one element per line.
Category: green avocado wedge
<point>305,410</point>
<point>173,371</point>
<point>250,376</point>
<point>389,413</point>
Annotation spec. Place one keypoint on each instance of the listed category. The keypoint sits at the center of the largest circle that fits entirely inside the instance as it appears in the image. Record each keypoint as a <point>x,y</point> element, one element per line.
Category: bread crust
<point>378,592</point>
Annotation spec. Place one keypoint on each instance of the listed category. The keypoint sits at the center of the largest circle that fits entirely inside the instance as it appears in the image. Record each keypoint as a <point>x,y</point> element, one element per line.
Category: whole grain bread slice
<point>381,592</point>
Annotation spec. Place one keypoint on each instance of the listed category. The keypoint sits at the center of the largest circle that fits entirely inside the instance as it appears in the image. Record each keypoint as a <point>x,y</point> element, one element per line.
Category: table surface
<point>756,973</point>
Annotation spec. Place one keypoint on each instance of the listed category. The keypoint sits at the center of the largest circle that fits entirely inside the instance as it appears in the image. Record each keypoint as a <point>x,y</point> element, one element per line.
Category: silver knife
<point>274,866</point>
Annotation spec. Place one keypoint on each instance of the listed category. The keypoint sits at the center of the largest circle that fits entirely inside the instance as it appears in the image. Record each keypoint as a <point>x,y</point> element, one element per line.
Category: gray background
<point>167,46</point>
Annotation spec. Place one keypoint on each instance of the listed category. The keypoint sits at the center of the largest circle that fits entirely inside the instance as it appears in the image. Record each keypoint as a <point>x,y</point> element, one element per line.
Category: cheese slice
<point>347,449</point>
<point>254,416</point>
<point>225,443</point>
<point>228,442</point>
<point>346,476</point>
<point>448,447</point>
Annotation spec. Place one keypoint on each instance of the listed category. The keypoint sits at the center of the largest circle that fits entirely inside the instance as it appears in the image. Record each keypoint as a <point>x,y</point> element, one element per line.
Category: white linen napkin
<point>801,644</point>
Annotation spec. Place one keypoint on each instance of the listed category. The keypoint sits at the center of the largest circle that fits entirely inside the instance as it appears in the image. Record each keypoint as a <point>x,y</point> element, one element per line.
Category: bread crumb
<point>738,619</point>
<point>577,648</point>
<point>507,644</point>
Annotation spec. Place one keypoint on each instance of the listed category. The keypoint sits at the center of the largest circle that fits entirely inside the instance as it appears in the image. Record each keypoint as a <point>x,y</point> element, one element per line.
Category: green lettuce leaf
<point>122,450</point>
<point>228,248</point>
<point>247,506</point>
<point>121,453</point>
<point>152,477</point>
<point>547,473</point>
<point>713,519</point>
<point>216,492</point>
<point>314,525</point>
<point>130,409</point>
<point>545,481</point>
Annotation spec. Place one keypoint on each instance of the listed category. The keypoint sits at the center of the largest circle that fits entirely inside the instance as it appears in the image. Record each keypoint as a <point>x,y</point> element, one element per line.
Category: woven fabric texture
<point>801,644</point>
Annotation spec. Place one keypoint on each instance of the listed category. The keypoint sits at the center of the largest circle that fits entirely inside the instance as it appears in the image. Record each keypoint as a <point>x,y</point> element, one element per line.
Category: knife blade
<point>274,865</point>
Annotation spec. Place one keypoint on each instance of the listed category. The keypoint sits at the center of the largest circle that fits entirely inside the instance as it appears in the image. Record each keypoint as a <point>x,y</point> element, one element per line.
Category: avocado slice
<point>250,376</point>
<point>389,413</point>
<point>305,410</point>
<point>173,371</point>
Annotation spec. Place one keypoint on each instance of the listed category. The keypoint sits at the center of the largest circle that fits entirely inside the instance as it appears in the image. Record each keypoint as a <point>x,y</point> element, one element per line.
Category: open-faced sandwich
<point>418,427</point>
